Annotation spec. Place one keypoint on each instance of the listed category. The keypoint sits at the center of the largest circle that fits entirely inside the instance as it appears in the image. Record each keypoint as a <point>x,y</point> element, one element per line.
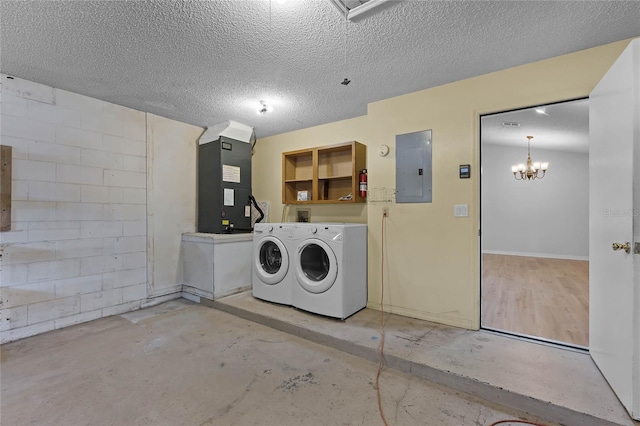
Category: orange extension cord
<point>381,347</point>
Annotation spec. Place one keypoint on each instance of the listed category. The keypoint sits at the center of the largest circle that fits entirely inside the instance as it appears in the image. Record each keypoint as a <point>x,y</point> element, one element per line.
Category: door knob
<point>617,246</point>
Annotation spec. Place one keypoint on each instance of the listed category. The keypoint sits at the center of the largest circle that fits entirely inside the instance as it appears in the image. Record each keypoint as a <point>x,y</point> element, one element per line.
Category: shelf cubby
<point>326,173</point>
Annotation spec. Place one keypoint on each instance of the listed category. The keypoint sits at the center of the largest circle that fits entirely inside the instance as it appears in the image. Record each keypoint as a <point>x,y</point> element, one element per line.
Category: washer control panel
<point>334,233</point>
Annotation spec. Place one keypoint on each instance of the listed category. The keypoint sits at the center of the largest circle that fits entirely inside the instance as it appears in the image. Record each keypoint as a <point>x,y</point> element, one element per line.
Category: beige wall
<point>431,258</point>
<point>267,170</point>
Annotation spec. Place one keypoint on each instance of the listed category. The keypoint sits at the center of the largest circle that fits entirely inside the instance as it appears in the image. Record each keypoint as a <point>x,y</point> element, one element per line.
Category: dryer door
<point>316,266</point>
<point>270,260</point>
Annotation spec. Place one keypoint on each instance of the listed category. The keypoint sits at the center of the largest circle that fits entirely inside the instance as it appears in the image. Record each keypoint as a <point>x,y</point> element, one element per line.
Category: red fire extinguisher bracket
<point>363,183</point>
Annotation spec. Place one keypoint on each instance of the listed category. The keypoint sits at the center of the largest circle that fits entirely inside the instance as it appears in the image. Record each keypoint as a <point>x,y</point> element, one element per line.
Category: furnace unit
<point>224,179</point>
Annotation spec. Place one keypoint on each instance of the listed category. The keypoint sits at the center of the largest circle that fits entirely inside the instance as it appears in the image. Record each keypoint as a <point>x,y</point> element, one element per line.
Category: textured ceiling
<point>563,126</point>
<point>204,62</point>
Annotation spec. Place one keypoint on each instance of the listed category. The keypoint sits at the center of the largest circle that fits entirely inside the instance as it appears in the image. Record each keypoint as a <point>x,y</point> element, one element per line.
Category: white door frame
<point>480,242</point>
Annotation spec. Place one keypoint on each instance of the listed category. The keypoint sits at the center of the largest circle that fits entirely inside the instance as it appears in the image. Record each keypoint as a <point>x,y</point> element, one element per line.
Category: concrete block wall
<point>77,250</point>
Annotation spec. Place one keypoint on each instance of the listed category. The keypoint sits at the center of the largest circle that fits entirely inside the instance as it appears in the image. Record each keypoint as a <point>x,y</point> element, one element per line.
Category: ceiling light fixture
<point>264,108</point>
<point>529,171</point>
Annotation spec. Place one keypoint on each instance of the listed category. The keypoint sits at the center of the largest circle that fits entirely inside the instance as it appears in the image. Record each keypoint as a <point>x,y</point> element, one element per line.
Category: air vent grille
<point>352,4</point>
<point>353,8</point>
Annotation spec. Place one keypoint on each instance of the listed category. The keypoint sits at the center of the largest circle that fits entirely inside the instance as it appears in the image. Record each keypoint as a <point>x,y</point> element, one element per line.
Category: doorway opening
<point>535,227</point>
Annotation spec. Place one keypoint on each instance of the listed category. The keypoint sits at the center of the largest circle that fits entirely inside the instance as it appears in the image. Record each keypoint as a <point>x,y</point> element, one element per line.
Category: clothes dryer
<point>330,268</point>
<point>271,262</point>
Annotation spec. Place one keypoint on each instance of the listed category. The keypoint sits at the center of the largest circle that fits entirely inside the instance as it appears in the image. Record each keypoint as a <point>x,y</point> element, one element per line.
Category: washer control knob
<point>269,228</point>
<point>314,230</point>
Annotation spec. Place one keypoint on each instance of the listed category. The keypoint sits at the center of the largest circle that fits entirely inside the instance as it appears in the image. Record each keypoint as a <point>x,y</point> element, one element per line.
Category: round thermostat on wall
<point>383,150</point>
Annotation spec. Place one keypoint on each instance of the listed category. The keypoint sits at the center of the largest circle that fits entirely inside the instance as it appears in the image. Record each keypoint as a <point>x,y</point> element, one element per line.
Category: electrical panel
<point>413,167</point>
<point>224,186</point>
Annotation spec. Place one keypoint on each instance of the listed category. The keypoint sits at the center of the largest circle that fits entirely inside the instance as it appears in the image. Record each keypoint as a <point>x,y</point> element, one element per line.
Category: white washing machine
<point>271,262</point>
<point>330,268</point>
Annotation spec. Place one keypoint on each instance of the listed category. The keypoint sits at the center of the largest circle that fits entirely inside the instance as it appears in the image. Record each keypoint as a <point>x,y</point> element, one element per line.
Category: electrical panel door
<point>413,167</point>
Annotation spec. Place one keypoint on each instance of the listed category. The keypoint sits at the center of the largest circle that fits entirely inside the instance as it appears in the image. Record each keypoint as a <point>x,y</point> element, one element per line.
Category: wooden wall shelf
<point>5,188</point>
<point>324,174</point>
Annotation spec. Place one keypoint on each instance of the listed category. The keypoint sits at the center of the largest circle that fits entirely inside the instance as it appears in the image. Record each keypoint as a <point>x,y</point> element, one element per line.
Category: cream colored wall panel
<point>431,258</point>
<point>267,169</point>
<point>433,264</point>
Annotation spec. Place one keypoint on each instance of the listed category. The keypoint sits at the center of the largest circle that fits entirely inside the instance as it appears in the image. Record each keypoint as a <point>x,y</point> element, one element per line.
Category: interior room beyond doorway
<point>535,229</point>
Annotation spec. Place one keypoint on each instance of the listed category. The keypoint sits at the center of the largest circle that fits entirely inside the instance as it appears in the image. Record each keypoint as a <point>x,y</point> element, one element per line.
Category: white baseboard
<point>156,300</point>
<point>190,297</point>
<point>544,255</point>
<point>197,292</point>
<point>165,291</point>
<point>231,291</point>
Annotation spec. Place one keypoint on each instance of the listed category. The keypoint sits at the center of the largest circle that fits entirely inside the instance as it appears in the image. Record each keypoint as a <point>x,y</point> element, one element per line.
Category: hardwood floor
<point>540,297</point>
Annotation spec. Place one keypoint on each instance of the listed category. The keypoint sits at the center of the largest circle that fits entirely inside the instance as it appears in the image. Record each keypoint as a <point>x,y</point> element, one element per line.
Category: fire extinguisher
<point>363,183</point>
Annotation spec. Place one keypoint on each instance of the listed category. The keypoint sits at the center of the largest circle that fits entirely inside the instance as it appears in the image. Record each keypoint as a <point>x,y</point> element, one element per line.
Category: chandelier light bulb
<point>530,171</point>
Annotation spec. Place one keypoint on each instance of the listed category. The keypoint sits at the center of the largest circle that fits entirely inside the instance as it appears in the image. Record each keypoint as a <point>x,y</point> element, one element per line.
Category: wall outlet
<point>304,215</point>
<point>460,210</point>
<point>385,211</point>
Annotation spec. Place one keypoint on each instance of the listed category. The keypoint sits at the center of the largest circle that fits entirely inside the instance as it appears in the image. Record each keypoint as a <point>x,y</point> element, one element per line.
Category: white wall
<point>548,217</point>
<point>171,203</point>
<point>77,249</point>
<point>89,239</point>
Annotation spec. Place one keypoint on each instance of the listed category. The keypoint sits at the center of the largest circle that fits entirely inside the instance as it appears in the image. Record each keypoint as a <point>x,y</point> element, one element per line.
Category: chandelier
<point>531,170</point>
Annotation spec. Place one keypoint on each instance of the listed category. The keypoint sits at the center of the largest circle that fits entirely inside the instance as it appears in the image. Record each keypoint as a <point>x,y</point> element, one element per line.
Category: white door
<point>614,205</point>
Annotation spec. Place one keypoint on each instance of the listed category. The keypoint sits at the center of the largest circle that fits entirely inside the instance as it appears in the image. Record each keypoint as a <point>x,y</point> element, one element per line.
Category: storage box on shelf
<point>326,174</point>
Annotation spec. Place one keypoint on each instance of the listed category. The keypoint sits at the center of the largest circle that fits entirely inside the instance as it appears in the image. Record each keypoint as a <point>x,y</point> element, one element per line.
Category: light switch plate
<point>461,210</point>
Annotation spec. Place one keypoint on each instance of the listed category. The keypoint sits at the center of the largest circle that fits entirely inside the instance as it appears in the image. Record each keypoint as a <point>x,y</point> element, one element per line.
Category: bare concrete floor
<point>561,385</point>
<point>181,363</point>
